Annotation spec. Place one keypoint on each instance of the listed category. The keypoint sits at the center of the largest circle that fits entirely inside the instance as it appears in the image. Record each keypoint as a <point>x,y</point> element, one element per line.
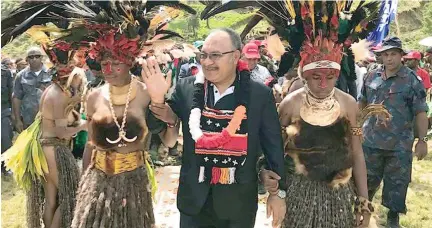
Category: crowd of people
<point>319,140</point>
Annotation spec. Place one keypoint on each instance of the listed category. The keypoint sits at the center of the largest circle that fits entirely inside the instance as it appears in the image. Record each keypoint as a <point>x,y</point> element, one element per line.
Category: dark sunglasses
<point>34,56</point>
<point>212,56</point>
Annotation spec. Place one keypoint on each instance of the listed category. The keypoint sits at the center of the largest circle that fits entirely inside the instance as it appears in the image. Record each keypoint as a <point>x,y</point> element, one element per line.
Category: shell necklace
<point>319,111</point>
<point>122,133</point>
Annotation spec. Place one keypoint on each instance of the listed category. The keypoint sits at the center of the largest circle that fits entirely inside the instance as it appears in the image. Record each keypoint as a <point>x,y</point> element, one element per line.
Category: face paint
<point>107,68</point>
<point>323,83</point>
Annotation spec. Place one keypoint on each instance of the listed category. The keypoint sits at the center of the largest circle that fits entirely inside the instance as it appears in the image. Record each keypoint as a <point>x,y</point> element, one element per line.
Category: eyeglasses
<point>34,56</point>
<point>212,56</point>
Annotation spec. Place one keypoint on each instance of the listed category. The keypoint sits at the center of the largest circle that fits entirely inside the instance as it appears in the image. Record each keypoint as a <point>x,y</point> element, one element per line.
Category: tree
<point>18,47</point>
<point>414,19</point>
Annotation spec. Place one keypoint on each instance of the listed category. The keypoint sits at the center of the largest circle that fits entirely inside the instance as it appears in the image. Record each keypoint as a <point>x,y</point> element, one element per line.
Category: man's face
<point>10,65</point>
<point>34,60</point>
<point>252,62</point>
<point>392,59</point>
<point>21,65</point>
<point>216,66</point>
<point>412,63</point>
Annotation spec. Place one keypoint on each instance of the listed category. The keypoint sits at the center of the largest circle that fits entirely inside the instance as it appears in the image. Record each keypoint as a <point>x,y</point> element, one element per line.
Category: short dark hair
<point>234,37</point>
<point>19,60</point>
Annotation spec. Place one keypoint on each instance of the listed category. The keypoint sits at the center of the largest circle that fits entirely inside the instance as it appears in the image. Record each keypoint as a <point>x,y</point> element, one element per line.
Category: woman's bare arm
<point>359,166</point>
<point>90,109</point>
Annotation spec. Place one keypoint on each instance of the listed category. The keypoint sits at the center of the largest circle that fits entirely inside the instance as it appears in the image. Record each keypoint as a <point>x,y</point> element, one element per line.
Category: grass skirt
<point>119,201</point>
<point>68,178</point>
<point>312,204</point>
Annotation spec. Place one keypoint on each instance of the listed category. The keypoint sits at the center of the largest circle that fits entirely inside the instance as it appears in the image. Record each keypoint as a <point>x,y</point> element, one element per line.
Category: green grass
<point>419,200</point>
<point>13,204</point>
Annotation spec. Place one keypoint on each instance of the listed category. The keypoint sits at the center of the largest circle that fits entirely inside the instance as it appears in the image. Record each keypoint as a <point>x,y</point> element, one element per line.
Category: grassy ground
<point>419,200</point>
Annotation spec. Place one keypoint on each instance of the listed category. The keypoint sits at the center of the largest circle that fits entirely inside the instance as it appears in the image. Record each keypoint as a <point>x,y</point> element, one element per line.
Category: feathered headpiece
<point>121,28</point>
<point>60,54</point>
<point>118,28</point>
<point>316,31</point>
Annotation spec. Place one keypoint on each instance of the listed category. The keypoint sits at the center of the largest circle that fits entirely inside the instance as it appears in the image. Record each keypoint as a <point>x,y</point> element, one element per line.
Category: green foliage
<point>18,47</point>
<point>8,6</point>
<point>415,23</point>
<point>407,5</point>
<point>192,28</point>
<point>427,18</point>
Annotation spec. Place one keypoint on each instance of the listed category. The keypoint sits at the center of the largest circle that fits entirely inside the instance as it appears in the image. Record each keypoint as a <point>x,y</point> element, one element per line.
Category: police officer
<point>388,145</point>
<point>28,87</point>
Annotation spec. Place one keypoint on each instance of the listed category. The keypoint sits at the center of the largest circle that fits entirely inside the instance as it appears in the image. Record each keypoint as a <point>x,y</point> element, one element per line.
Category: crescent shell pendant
<point>129,140</point>
<point>115,141</point>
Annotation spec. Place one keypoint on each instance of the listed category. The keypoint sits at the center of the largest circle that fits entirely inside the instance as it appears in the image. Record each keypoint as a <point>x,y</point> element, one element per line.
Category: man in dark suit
<point>204,203</point>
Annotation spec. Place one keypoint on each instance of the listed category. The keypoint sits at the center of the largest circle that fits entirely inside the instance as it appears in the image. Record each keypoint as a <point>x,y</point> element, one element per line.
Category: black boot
<point>393,219</point>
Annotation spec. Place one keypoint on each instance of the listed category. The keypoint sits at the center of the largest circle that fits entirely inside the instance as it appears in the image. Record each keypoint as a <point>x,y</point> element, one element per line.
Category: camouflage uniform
<point>28,88</point>
<point>388,147</point>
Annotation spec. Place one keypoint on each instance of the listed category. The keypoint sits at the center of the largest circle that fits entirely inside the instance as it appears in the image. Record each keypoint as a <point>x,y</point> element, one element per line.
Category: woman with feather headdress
<point>321,125</point>
<point>41,157</point>
<point>322,129</point>
<point>117,185</point>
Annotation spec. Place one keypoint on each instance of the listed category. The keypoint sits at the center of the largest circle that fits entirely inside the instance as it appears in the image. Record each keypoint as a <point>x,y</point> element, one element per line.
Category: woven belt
<point>112,163</point>
<point>54,142</point>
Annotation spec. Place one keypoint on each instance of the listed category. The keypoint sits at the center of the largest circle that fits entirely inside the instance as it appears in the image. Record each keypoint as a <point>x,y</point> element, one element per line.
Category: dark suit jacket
<point>184,71</point>
<point>230,201</point>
